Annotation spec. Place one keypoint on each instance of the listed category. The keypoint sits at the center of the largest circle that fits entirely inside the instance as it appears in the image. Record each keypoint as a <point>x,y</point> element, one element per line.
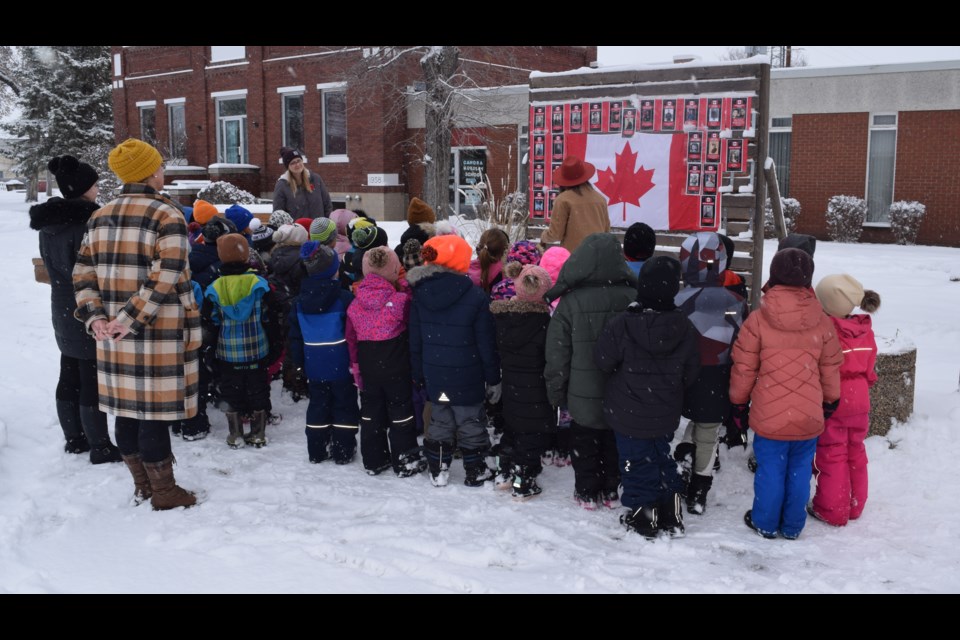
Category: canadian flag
<point>643,178</point>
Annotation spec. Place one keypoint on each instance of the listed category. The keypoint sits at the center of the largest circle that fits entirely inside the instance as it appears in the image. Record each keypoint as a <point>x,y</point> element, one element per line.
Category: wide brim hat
<point>573,171</point>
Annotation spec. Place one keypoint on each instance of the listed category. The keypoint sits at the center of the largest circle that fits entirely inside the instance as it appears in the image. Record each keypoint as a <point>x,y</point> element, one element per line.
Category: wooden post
<point>770,172</point>
<point>760,188</point>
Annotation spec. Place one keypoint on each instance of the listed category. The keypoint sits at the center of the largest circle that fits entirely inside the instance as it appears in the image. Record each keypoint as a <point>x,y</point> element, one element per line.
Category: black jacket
<point>522,341</point>
<point>62,224</point>
<point>204,264</point>
<point>653,357</point>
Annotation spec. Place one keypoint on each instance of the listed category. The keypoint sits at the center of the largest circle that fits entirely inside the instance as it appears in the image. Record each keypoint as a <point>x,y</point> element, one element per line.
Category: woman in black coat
<point>62,223</point>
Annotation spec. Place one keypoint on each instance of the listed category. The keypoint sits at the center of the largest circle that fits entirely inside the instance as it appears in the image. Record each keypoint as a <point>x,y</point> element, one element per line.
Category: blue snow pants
<point>781,486</point>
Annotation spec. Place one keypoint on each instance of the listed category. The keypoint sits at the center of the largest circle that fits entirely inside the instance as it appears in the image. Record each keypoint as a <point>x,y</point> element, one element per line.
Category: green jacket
<point>594,285</point>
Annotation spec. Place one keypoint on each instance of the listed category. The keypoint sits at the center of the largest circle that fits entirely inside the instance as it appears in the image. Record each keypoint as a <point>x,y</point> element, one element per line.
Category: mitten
<point>737,426</point>
<point>829,408</point>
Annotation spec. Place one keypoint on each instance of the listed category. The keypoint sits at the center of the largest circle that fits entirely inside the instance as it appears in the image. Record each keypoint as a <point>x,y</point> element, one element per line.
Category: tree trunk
<point>438,66</point>
<point>32,188</point>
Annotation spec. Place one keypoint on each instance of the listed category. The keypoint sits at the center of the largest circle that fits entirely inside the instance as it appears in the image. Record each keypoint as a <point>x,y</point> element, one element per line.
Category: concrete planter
<point>891,398</point>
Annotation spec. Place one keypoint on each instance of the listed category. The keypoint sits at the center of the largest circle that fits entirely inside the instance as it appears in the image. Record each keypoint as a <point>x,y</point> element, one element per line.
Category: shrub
<point>225,193</point>
<point>845,216</point>
<point>791,211</point>
<point>905,219</point>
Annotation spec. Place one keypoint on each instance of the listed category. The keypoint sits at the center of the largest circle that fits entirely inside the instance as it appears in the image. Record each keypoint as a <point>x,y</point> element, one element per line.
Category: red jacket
<point>857,373</point>
<point>786,362</point>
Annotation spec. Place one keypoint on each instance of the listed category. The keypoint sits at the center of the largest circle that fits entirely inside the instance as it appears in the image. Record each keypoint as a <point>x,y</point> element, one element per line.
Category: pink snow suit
<point>379,312</point>
<point>840,463</point>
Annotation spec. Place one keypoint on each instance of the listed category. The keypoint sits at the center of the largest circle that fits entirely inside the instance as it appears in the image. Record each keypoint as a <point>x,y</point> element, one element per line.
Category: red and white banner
<point>643,178</point>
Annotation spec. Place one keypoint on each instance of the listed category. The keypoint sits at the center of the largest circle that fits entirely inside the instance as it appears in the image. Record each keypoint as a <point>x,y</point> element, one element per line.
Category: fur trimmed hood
<point>418,274</point>
<point>518,306</point>
<point>57,211</point>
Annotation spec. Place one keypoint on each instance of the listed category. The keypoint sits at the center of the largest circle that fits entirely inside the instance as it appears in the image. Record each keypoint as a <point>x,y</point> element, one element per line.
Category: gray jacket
<point>304,204</point>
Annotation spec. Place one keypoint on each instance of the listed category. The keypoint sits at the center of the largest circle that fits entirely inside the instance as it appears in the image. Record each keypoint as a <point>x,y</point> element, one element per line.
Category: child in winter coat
<point>529,420</point>
<point>558,453</point>
<point>840,463</point>
<point>318,345</point>
<point>717,314</point>
<point>453,353</point>
<point>596,285</point>
<point>380,361</point>
<point>239,302</point>
<point>522,253</point>
<point>286,273</point>
<point>786,364</point>
<point>342,217</point>
<point>650,350</point>
<point>486,269</point>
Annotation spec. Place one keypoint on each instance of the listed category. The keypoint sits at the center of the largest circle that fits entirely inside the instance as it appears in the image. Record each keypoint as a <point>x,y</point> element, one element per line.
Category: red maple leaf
<point>623,184</point>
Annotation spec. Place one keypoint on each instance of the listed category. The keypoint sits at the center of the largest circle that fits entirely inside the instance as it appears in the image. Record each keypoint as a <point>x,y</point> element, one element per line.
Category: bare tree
<point>782,56</point>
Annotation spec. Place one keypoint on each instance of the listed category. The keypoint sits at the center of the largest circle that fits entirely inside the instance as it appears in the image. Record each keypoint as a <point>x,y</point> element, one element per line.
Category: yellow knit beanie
<point>134,160</point>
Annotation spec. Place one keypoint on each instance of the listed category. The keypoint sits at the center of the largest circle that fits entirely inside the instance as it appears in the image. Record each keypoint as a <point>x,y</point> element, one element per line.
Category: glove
<point>357,380</point>
<point>737,426</point>
<point>493,393</point>
<point>829,408</point>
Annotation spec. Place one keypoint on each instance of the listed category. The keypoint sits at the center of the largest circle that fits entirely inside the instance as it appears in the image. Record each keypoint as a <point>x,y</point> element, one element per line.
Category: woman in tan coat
<point>579,210</point>
<point>134,295</point>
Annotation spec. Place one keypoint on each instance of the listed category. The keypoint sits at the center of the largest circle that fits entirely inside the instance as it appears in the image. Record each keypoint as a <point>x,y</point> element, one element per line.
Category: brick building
<point>223,113</point>
<point>881,132</point>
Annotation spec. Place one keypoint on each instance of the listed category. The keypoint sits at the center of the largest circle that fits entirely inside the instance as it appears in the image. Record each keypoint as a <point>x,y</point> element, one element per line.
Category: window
<point>232,130</point>
<point>177,119</point>
<point>293,136</point>
<point>333,100</point>
<point>523,164</point>
<point>222,54</point>
<point>468,167</point>
<point>780,135</point>
<point>881,158</point>
<point>148,124</point>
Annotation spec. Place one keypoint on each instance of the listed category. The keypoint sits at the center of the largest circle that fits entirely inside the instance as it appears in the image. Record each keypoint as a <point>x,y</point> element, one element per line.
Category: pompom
<point>69,164</point>
<point>871,301</point>
<point>54,165</point>
<point>429,254</point>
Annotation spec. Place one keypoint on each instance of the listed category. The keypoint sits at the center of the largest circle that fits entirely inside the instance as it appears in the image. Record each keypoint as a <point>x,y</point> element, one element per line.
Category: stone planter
<point>891,398</point>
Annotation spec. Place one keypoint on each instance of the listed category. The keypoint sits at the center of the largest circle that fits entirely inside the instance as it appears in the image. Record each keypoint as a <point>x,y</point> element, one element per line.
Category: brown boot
<point>166,493</point>
<point>235,423</point>
<point>141,482</point>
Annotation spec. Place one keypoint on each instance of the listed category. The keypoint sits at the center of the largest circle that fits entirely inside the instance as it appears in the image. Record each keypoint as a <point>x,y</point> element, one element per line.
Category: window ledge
<point>333,159</point>
<point>877,225</point>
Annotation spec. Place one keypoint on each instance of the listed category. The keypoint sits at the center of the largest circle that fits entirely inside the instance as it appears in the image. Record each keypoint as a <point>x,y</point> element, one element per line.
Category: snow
<point>758,59</point>
<point>272,522</point>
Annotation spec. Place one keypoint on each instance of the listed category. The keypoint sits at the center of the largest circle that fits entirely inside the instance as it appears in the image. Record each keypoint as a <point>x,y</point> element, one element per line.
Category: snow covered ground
<point>272,522</point>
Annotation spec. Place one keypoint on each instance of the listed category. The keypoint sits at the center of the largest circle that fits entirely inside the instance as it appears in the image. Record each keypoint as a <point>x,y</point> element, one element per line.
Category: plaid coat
<point>133,266</point>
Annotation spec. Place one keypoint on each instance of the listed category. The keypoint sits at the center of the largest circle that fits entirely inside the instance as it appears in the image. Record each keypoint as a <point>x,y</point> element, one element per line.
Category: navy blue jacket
<point>61,224</point>
<point>653,357</point>
<point>452,337</point>
<point>317,295</point>
<point>204,264</point>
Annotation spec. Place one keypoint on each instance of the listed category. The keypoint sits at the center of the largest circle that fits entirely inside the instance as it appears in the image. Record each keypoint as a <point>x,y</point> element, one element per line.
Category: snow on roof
<point>759,59</point>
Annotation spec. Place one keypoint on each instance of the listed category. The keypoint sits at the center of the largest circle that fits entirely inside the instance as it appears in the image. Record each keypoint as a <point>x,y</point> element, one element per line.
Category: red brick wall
<point>928,170</point>
<point>828,157</point>
<point>374,146</point>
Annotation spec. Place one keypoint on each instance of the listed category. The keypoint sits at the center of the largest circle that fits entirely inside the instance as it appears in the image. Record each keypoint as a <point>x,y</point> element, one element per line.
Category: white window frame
<point>323,88</point>
<point>218,98</point>
<point>142,106</point>
<point>781,129</point>
<point>893,177</point>
<point>227,54</point>
<point>171,103</point>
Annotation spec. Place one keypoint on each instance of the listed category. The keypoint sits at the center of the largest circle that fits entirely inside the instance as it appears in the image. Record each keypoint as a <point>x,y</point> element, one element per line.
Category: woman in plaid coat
<point>133,291</point>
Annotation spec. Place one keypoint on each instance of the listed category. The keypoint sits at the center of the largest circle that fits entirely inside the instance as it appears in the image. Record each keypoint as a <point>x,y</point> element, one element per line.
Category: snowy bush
<point>845,216</point>
<point>225,193</point>
<point>905,219</point>
<point>791,211</point>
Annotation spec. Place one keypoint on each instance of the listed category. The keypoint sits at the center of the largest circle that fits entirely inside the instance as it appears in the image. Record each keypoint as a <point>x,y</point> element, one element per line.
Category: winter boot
<point>318,443</point>
<point>671,515</point>
<point>525,484</point>
<point>343,444</point>
<point>295,381</point>
<point>716,459</point>
<point>752,463</point>
<point>141,482</point>
<point>610,498</point>
<point>410,463</point>
<point>69,414</point>
<point>439,456</point>
<point>643,520</point>
<point>195,428</point>
<point>475,466</point>
<point>585,499</point>
<point>506,472</point>
<point>748,520</point>
<point>685,453</point>
<point>94,423</point>
<point>258,429</point>
<point>235,423</point>
<point>167,494</point>
<point>697,492</point>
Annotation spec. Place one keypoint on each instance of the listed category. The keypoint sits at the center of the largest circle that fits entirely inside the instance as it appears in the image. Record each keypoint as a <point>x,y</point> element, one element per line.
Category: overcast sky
<point>819,56</point>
